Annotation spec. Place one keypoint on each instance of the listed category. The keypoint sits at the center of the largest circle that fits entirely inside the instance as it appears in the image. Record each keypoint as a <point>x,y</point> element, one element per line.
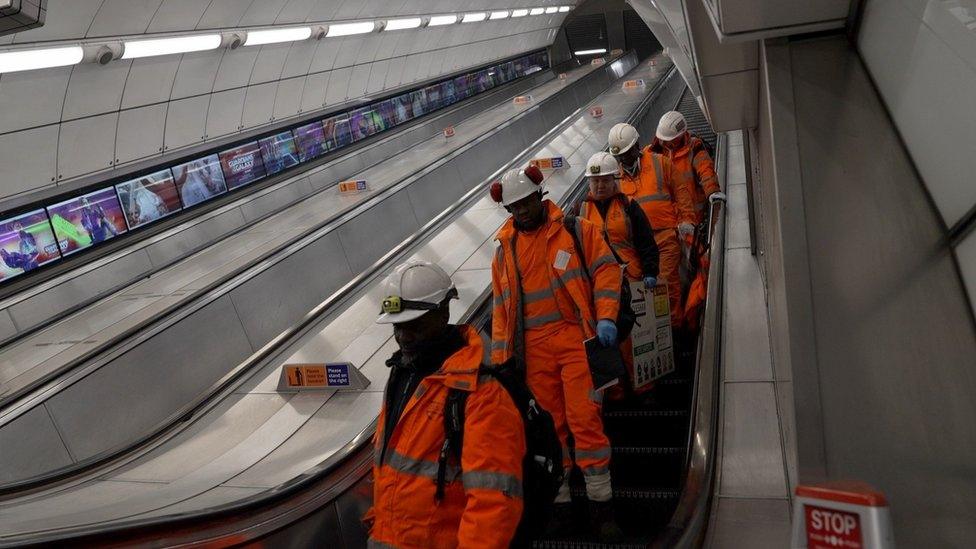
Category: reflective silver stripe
<point>606,294</point>
<point>509,485</point>
<point>566,276</point>
<point>419,467</point>
<point>658,172</point>
<point>485,349</point>
<point>596,396</point>
<point>373,544</point>
<point>601,261</point>
<point>538,295</point>
<point>536,321</point>
<point>599,453</point>
<point>499,345</point>
<point>596,470</point>
<point>421,389</point>
<point>660,197</point>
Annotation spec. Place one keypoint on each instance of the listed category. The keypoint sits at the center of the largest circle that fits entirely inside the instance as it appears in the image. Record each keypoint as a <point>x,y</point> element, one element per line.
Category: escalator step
<point>582,544</point>
<point>648,468</point>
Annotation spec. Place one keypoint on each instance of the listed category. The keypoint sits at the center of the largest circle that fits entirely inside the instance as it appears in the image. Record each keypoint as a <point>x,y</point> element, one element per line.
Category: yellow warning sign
<point>661,306</point>
<point>306,375</point>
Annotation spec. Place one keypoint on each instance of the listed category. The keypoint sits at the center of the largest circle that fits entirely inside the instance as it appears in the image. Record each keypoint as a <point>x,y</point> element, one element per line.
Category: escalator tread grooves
<point>645,413</point>
<point>648,450</point>
<point>634,494</point>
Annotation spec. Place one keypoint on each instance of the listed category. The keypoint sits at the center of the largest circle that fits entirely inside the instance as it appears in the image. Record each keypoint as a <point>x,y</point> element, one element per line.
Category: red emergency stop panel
<point>830,529</point>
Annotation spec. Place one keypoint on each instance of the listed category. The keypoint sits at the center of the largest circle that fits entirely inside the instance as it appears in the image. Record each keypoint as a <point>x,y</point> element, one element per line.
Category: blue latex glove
<point>606,330</point>
<point>650,282</point>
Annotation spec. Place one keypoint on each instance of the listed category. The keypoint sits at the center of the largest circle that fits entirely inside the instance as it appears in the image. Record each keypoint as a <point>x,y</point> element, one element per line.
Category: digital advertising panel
<point>279,152</point>
<point>419,100</point>
<point>86,220</point>
<point>199,180</point>
<point>387,114</point>
<point>242,165</point>
<point>26,243</point>
<point>311,141</point>
<point>361,122</point>
<point>148,198</point>
<point>461,86</point>
<point>403,108</point>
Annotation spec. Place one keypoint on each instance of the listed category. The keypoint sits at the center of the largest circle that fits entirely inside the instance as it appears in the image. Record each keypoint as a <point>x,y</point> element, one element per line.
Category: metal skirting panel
<point>272,202</point>
<point>193,238</point>
<point>31,447</point>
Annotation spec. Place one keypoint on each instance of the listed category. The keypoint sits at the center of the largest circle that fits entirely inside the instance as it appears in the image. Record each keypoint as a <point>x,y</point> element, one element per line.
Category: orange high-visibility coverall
<point>544,297</point>
<point>619,233</point>
<point>692,167</point>
<point>482,502</point>
<point>666,205</point>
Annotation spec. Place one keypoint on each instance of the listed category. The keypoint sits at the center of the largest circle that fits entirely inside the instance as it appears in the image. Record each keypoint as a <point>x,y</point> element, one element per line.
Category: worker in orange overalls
<point>691,164</point>
<point>547,301</point>
<point>482,502</point>
<point>625,228</point>
<point>669,207</point>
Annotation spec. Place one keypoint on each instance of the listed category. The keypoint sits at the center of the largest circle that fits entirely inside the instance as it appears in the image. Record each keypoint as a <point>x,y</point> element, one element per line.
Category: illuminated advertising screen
<point>26,243</point>
<point>448,97</point>
<point>242,165</point>
<point>434,100</point>
<point>199,180</point>
<point>403,108</point>
<point>311,141</point>
<point>419,100</point>
<point>279,152</point>
<point>461,87</point>
<point>361,123</point>
<point>386,114</point>
<point>506,72</point>
<point>86,220</point>
<point>337,132</point>
<point>148,198</point>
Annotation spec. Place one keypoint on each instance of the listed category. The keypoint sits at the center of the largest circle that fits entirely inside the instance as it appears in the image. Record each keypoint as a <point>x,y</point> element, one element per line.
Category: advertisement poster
<point>26,243</point>
<point>461,87</point>
<point>434,99</point>
<point>242,165</point>
<point>149,198</point>
<point>653,348</point>
<point>279,152</point>
<point>507,71</point>
<point>403,108</point>
<point>363,123</point>
<point>311,141</point>
<point>87,220</point>
<point>199,180</point>
<point>419,100</point>
<point>386,114</point>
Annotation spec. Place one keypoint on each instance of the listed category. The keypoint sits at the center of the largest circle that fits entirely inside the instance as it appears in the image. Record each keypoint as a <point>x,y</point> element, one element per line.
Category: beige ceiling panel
<point>86,146</point>
<point>224,13</point>
<point>270,61</point>
<point>313,94</point>
<point>177,15</point>
<point>140,133</point>
<point>288,98</point>
<point>119,17</point>
<point>235,68</point>
<point>196,74</point>
<point>225,113</point>
<point>150,80</point>
<point>325,55</point>
<point>296,11</point>
<point>262,13</point>
<point>259,104</point>
<point>387,46</point>
<point>377,76</point>
<point>66,20</point>
<point>94,89</point>
<point>338,84</point>
<point>28,160</point>
<point>186,122</point>
<point>357,81</point>
<point>299,59</point>
<point>46,90</point>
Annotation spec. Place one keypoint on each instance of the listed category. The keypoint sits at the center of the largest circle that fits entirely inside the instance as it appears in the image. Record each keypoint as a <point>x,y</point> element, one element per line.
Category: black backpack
<point>542,467</point>
<point>626,318</point>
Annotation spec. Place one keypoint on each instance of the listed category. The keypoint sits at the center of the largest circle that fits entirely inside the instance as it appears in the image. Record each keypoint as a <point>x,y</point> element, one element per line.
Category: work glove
<point>650,282</point>
<point>686,229</point>
<point>606,330</point>
<point>716,196</point>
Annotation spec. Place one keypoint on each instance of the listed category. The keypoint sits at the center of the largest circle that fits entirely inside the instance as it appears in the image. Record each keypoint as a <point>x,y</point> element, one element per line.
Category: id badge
<point>562,260</point>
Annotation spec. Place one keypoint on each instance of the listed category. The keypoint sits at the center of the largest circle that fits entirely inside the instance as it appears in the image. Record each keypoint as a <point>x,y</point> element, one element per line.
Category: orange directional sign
<point>563,76</point>
<point>522,100</point>
<point>550,163</point>
<point>598,61</point>
<point>353,186</point>
<point>449,131</point>
<point>616,51</point>
<point>596,112</point>
<point>633,84</point>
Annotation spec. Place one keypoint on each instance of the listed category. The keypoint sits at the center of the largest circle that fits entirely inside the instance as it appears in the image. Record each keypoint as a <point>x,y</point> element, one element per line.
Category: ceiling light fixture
<point>26,60</point>
<point>135,49</point>
<point>275,36</point>
<point>347,29</point>
<point>474,17</point>
<point>564,9</point>
<point>553,9</point>
<point>520,13</point>
<point>498,15</point>
<point>590,52</point>
<point>537,11</point>
<point>439,20</point>
<point>400,24</point>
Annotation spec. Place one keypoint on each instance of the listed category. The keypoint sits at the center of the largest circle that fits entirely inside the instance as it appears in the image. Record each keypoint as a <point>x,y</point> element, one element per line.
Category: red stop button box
<point>841,515</point>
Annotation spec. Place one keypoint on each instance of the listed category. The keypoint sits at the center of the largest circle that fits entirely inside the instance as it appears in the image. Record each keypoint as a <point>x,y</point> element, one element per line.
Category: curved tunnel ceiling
<point>58,126</point>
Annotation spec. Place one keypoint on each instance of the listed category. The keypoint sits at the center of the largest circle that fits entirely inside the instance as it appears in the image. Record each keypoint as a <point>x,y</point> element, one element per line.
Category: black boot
<point>561,521</point>
<point>604,526</point>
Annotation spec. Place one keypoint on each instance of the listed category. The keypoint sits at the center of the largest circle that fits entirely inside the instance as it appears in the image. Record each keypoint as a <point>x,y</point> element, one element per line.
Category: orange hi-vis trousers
<point>558,374</point>
<point>669,252</point>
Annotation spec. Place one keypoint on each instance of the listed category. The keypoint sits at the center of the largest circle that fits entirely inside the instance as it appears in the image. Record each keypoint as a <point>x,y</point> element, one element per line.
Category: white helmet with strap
<point>602,163</point>
<point>622,138</point>
<point>671,126</point>
<point>516,185</point>
<point>413,289</point>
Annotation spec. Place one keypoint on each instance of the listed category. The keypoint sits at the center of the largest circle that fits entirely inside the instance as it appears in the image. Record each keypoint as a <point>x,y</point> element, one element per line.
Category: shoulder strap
<point>453,436</point>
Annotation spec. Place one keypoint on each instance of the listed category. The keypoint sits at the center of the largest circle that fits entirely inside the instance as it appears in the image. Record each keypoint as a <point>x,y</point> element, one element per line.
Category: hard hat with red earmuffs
<point>516,185</point>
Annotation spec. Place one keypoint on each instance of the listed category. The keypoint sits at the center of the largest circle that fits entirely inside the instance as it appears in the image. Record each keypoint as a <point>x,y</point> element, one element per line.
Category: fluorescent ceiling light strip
<point>520,13</point>
<point>274,36</point>
<point>27,60</point>
<point>498,15</point>
<point>590,52</point>
<point>135,49</point>
<point>537,11</point>
<point>347,29</point>
<point>564,9</point>
<point>474,17</point>
<point>553,9</point>
<point>399,24</point>
<point>438,20</point>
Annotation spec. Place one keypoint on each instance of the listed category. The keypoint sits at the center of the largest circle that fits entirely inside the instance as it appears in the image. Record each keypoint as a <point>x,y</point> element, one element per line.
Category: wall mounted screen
<point>279,152</point>
<point>87,220</point>
<point>199,180</point>
<point>148,198</point>
<point>26,243</point>
<point>403,108</point>
<point>419,99</point>
<point>311,141</point>
<point>242,165</point>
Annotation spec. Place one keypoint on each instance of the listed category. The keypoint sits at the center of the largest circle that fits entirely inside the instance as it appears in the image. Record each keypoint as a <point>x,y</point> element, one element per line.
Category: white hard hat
<point>622,138</point>
<point>671,126</point>
<point>602,163</point>
<point>516,185</point>
<point>413,289</point>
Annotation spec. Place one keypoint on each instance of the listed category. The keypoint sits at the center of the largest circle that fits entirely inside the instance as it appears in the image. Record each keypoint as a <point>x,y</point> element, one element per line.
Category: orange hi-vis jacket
<point>482,503</point>
<point>691,166</point>
<point>618,232</point>
<point>560,291</point>
<point>665,203</point>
